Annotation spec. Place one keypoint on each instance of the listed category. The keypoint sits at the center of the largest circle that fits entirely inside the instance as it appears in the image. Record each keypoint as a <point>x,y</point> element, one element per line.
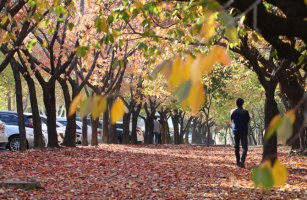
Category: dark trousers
<point>159,138</point>
<point>243,139</point>
<point>155,138</point>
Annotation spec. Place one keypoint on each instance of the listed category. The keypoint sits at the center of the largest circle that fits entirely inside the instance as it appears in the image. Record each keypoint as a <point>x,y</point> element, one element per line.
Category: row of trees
<point>112,48</point>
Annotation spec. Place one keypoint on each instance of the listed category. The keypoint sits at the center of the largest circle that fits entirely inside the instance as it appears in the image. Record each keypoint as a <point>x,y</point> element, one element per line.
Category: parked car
<point>11,118</point>
<point>3,138</point>
<point>78,130</point>
<point>99,128</point>
<point>60,128</point>
<point>139,135</point>
<point>120,131</point>
<point>12,137</point>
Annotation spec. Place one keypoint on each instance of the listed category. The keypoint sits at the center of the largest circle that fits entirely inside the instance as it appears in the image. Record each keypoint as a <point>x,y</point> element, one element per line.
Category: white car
<point>60,128</point>
<point>79,131</point>
<point>63,121</point>
<point>3,138</point>
<point>13,138</point>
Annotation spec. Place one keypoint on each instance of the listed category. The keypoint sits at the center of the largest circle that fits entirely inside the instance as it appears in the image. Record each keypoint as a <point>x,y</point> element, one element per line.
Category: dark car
<point>11,118</point>
<point>119,131</point>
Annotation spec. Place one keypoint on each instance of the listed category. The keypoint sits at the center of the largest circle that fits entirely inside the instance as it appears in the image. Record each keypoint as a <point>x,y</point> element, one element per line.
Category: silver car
<point>12,137</point>
<point>3,138</point>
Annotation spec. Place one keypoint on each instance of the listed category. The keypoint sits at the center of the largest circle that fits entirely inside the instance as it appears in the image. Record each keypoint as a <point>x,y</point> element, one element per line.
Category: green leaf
<point>31,44</point>
<point>263,177</point>
<point>183,90</point>
<point>161,67</point>
<point>110,19</point>
<point>135,13</point>
<point>70,26</point>
<point>274,124</point>
<point>101,24</point>
<point>142,46</point>
<point>121,63</point>
<point>282,125</point>
<point>82,51</point>
<point>61,20</point>
<point>230,25</point>
<point>284,131</point>
<point>125,16</point>
<point>60,10</point>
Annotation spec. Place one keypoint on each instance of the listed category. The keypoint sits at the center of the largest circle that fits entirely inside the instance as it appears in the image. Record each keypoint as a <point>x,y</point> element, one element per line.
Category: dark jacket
<point>240,118</point>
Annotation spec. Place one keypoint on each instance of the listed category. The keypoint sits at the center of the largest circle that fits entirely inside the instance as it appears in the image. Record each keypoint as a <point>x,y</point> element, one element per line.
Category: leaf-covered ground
<point>144,172</point>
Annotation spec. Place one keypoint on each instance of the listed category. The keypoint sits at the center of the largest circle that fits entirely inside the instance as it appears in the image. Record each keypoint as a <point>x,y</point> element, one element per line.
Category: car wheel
<point>14,143</point>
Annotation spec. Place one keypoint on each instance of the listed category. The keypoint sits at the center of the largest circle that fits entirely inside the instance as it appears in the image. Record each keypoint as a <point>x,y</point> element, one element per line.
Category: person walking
<point>240,119</point>
<point>156,131</point>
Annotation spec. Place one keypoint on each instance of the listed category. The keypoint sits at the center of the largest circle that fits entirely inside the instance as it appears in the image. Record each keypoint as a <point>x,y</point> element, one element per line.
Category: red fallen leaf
<point>143,172</point>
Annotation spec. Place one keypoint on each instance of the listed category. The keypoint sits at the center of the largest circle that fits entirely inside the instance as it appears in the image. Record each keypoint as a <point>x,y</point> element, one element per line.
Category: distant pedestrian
<point>156,131</point>
<point>240,119</point>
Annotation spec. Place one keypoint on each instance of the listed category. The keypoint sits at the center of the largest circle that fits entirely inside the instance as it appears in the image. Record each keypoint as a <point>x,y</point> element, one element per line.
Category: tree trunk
<point>135,115</point>
<point>21,122</point>
<point>253,138</point>
<point>270,145</point>
<point>70,132</point>
<point>208,132</point>
<point>37,124</point>
<point>175,120</point>
<point>126,131</point>
<point>164,132</point>
<point>94,139</point>
<point>84,132</point>
<point>105,127</point>
<point>9,100</point>
<point>113,134</point>
<point>194,134</point>
<point>50,104</point>
<point>149,126</point>
<point>294,92</point>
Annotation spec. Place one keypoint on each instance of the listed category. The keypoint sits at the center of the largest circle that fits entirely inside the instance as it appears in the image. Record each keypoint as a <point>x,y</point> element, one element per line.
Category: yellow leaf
<point>45,44</point>
<point>138,5</point>
<point>56,2</point>
<point>208,29</point>
<point>86,106</point>
<point>305,2</point>
<point>180,71</point>
<point>4,19</point>
<point>196,97</point>
<point>75,103</point>
<point>117,110</point>
<point>291,115</point>
<point>232,34</point>
<point>274,124</point>
<point>267,164</point>
<point>280,173</point>
<point>104,25</point>
<point>220,55</point>
<point>99,106</point>
<point>202,64</point>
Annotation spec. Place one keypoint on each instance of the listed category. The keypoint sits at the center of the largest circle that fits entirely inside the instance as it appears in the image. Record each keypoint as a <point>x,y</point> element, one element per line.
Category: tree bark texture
<point>50,106</point>
<point>21,122</point>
